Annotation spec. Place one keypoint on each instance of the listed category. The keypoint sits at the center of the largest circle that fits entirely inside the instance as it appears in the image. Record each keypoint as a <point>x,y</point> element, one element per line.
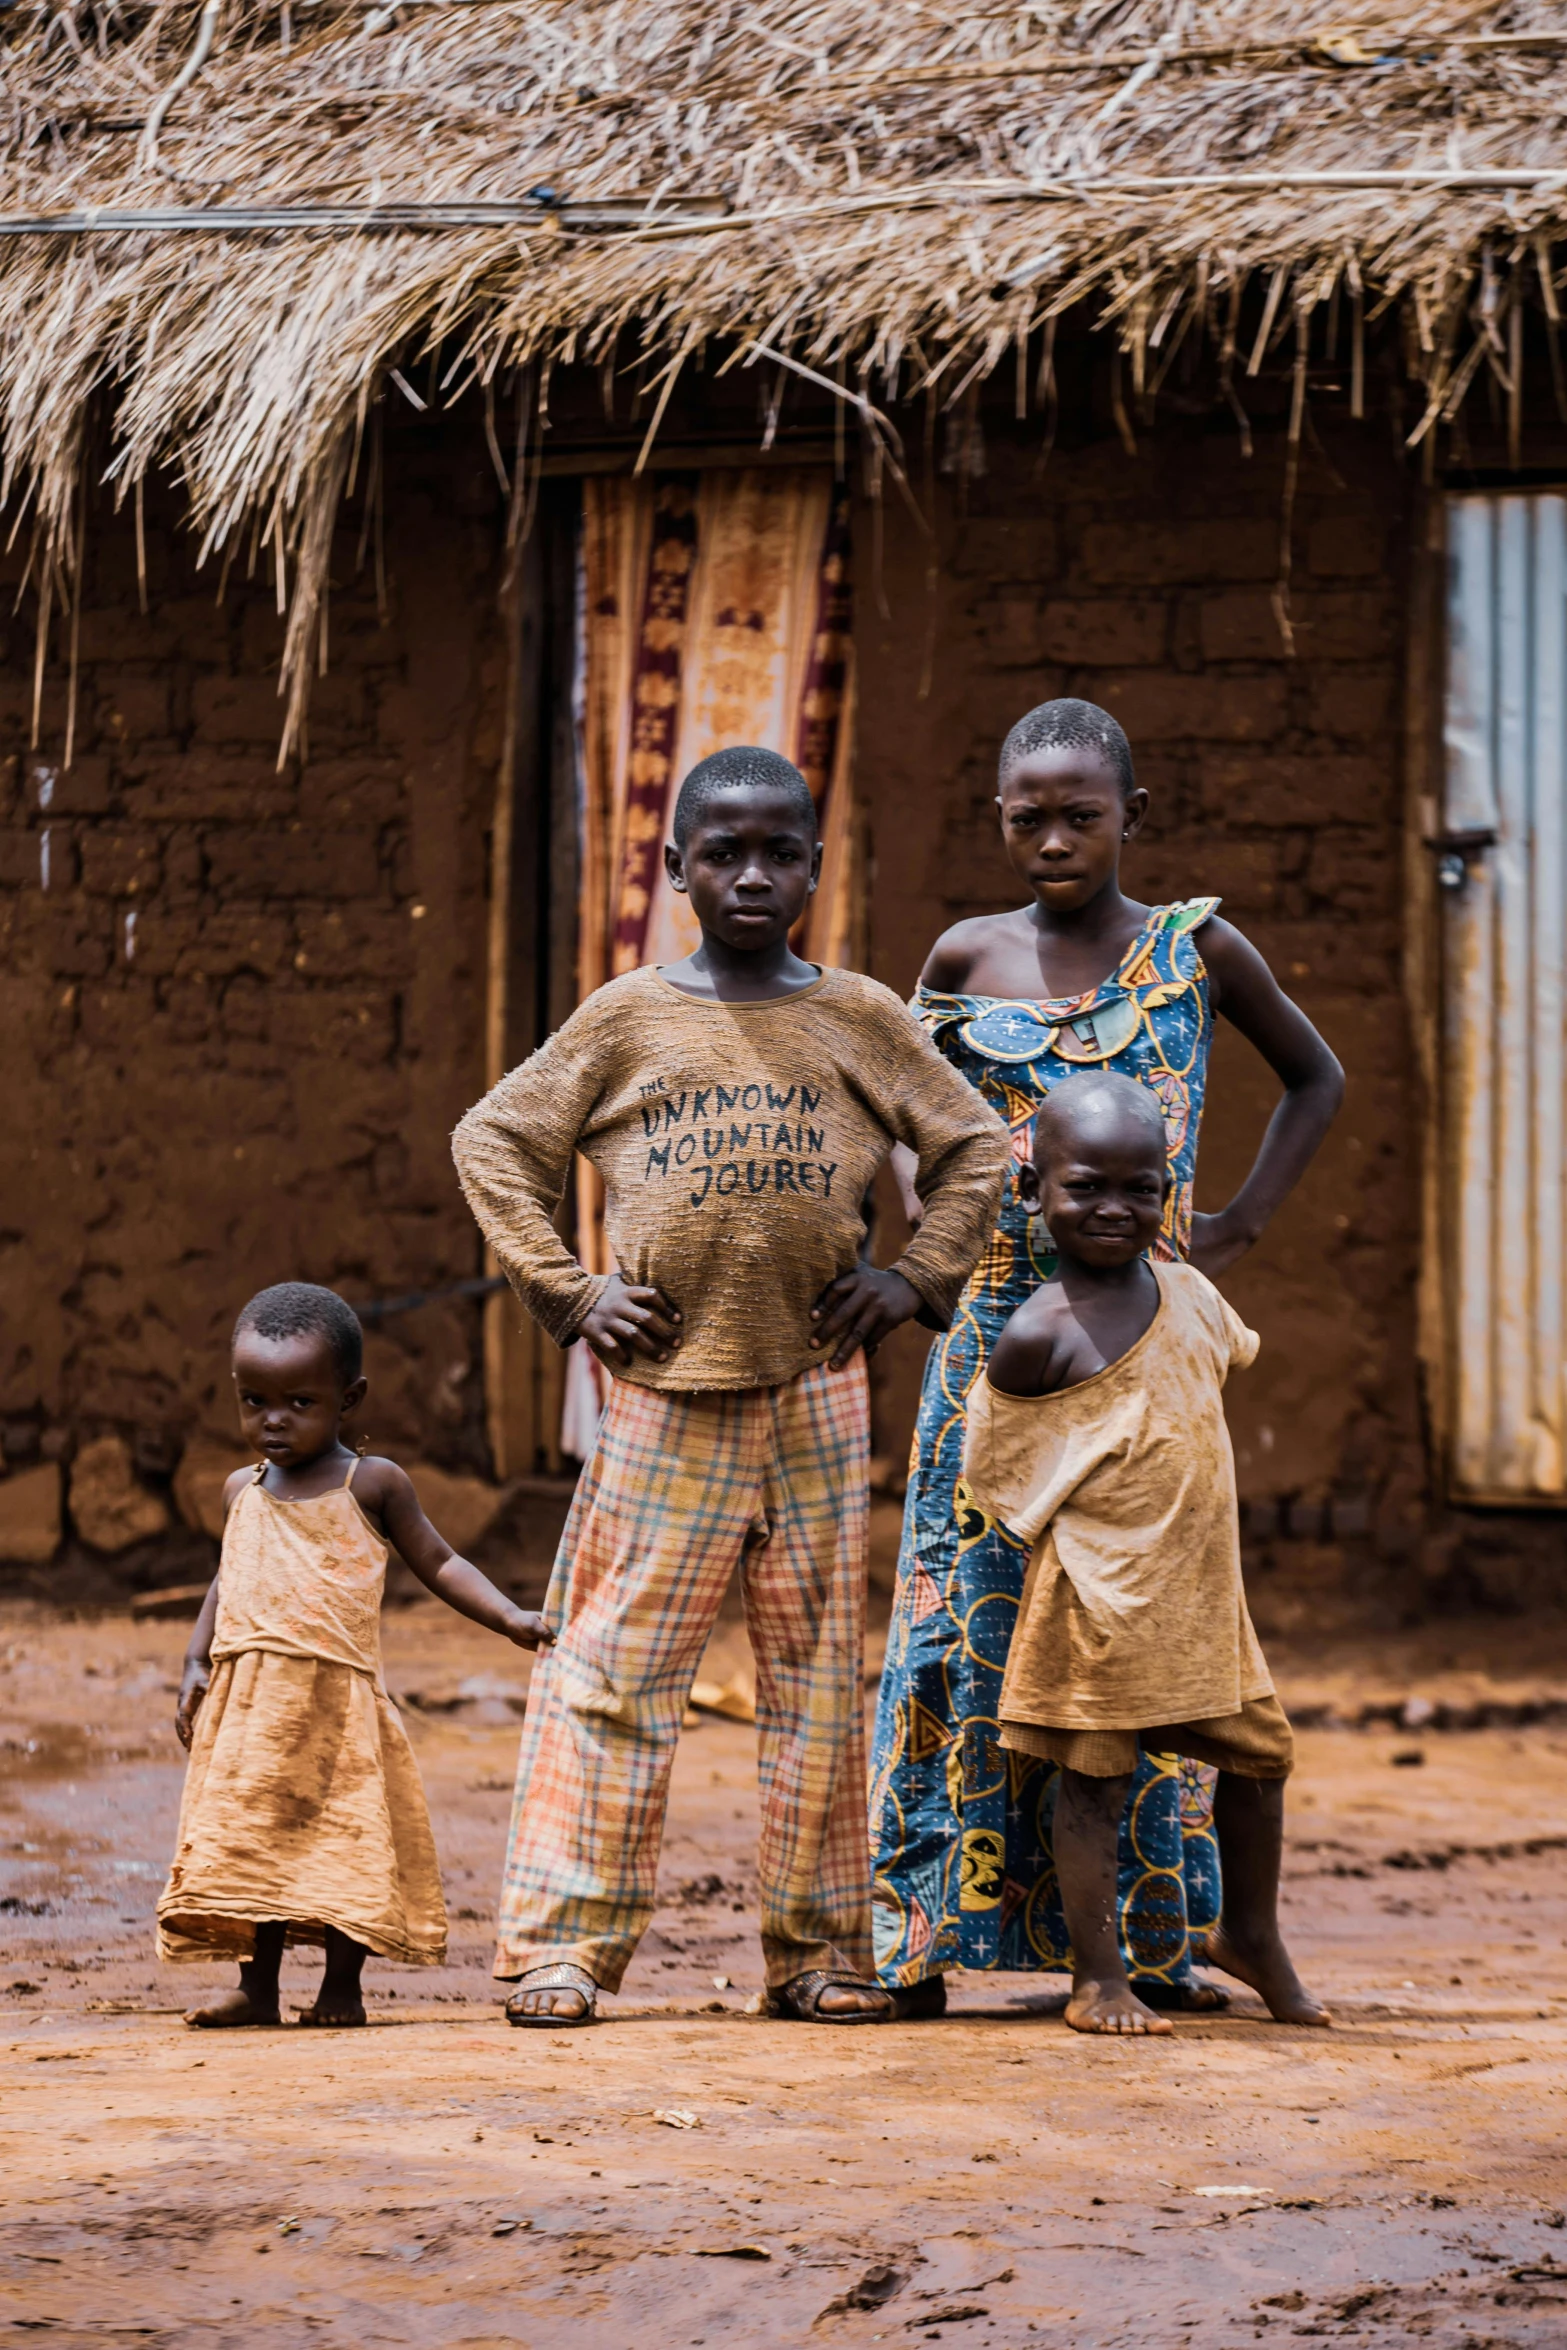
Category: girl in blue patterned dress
<point>1084,977</point>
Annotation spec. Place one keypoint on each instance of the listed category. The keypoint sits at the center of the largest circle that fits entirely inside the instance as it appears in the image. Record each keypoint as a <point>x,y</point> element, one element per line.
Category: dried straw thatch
<point>235,216</point>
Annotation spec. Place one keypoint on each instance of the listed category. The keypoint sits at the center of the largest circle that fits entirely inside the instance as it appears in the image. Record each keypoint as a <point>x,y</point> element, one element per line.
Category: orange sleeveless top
<point>301,1578</point>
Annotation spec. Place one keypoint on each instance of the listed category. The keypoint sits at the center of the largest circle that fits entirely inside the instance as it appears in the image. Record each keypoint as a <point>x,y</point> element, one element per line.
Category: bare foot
<point>1270,1972</point>
<point>335,2010</point>
<point>1111,2007</point>
<point>232,2010</point>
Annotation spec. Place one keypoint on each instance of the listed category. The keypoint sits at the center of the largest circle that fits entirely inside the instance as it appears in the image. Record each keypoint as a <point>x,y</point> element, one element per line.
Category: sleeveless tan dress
<point>302,1799</point>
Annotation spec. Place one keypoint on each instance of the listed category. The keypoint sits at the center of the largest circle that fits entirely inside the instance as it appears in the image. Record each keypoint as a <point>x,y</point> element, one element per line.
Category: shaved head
<point>743,767</point>
<point>1070,725</point>
<point>1098,1111</point>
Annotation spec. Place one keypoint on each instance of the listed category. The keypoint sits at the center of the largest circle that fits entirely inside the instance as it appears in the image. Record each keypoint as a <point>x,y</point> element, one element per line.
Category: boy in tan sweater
<point>737,1105</point>
<point>1097,1434</point>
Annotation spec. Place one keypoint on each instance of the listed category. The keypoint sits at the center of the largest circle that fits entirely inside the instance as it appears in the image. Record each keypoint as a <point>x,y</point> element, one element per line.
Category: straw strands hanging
<point>230,218</point>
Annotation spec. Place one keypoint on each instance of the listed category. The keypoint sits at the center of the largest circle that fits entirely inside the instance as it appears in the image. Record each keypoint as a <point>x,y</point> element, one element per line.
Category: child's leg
<point>340,2000</point>
<point>1249,1817</point>
<point>804,1586</point>
<point>654,1533</point>
<point>1087,1824</point>
<point>256,2000</point>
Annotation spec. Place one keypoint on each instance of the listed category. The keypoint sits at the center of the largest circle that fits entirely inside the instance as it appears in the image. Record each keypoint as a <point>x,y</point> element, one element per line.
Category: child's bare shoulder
<point>1029,1356</point>
<point>234,1485</point>
<point>951,960</point>
<point>377,1480</point>
<point>1220,939</point>
<point>1234,965</point>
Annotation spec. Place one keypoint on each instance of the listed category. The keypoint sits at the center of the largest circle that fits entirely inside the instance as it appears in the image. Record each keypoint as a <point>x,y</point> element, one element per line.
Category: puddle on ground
<point>48,1750</point>
<point>58,1750</point>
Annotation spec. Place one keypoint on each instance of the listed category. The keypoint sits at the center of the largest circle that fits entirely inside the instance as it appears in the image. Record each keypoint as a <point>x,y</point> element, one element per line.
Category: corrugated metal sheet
<point>1505,957</point>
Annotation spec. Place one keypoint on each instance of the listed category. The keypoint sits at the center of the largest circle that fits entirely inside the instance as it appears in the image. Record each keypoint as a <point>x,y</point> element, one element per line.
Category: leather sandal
<point>801,1998</point>
<point>562,1976</point>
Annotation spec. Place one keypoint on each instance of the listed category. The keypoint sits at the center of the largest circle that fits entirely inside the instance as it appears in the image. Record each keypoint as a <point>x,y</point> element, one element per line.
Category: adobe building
<point>1285,503</point>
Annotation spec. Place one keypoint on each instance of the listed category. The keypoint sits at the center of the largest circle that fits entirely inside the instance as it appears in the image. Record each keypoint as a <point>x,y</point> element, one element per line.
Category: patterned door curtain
<point>714,608</point>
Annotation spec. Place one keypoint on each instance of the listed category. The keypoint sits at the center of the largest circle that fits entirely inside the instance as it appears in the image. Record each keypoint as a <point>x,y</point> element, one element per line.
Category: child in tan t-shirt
<point>737,1105</point>
<point>1097,1433</point>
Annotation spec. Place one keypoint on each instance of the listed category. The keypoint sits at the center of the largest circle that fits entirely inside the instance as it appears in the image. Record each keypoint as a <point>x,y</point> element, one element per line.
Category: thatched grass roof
<point>230,218</point>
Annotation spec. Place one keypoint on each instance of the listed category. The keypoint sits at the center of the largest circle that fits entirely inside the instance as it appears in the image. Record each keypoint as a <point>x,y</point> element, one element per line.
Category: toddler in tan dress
<point>303,1817</point>
<point>1097,1434</point>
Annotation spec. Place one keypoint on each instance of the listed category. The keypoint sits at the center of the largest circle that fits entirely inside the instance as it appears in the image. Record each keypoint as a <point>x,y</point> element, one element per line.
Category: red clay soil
<point>689,2174</point>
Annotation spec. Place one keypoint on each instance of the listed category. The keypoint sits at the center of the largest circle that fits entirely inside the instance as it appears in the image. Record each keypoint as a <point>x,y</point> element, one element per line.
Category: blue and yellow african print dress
<point>960,1827</point>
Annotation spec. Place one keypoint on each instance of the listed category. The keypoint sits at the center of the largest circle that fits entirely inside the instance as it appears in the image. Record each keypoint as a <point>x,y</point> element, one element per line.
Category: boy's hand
<point>859,1308</point>
<point>193,1688</point>
<point>624,1321</point>
<point>1217,1243</point>
<point>529,1630</point>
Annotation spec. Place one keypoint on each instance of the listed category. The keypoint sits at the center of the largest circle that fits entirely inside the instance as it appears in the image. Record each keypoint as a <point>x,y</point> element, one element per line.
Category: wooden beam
<point>1423,689</point>
<point>674,456</point>
<point>512,1343</point>
<point>533,929</point>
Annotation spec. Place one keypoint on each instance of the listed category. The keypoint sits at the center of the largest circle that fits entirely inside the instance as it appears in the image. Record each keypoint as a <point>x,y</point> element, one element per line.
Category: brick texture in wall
<point>243,1007</point>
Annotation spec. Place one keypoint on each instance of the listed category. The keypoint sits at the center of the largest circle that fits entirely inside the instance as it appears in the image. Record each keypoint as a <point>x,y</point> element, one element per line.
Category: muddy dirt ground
<point>687,2173</point>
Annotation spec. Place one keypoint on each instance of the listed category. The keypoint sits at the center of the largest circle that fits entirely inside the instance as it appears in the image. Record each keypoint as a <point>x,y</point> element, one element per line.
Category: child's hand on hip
<point>193,1688</point>
<point>859,1309</point>
<point>625,1320</point>
<point>528,1628</point>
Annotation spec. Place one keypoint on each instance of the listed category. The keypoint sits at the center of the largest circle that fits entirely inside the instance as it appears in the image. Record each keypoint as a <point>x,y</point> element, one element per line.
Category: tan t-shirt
<point>1133,1614</point>
<point>737,1143</point>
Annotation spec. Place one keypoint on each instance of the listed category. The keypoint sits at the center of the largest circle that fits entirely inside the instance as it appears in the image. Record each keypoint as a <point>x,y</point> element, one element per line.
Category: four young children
<point>738,1106</point>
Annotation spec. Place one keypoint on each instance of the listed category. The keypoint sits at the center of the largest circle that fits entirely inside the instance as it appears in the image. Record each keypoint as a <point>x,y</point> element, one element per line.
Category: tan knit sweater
<point>737,1143</point>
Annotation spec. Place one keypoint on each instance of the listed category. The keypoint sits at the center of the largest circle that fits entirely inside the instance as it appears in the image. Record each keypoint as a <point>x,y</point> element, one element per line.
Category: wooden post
<point>532,928</point>
<point>511,1342</point>
<point>1423,955</point>
<point>560,857</point>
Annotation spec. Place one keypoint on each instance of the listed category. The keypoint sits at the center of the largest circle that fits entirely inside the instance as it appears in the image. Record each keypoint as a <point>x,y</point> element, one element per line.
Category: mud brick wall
<point>242,1009</point>
<point>1145,584</point>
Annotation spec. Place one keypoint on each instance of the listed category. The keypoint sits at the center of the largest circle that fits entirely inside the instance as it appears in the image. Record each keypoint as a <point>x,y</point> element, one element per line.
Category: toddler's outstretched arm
<point>387,1490</point>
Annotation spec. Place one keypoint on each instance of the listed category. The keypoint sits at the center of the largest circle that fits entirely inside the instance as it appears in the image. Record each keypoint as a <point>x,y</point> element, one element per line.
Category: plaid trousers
<point>680,1488</point>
